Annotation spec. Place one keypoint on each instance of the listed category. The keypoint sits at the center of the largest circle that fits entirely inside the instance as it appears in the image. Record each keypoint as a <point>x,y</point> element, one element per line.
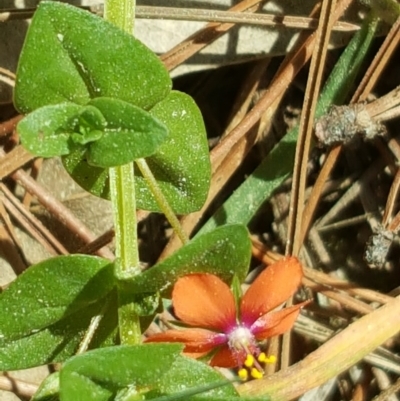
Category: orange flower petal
<point>224,358</point>
<point>270,289</point>
<point>196,355</point>
<point>204,300</point>
<point>197,341</point>
<point>276,323</point>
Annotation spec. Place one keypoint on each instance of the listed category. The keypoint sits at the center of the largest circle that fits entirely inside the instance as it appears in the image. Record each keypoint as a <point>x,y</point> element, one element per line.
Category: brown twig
<point>236,140</point>
<point>58,210</point>
<point>8,126</point>
<point>374,71</point>
<point>306,126</point>
<point>18,386</point>
<point>202,38</point>
<point>195,14</point>
<point>31,224</point>
<point>10,245</point>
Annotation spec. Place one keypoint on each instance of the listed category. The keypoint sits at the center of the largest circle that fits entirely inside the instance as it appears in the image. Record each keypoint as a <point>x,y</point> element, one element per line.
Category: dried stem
<point>306,126</point>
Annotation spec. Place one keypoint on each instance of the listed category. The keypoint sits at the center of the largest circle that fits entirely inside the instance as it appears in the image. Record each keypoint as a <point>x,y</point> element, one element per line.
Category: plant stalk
<point>161,200</point>
<point>122,190</point>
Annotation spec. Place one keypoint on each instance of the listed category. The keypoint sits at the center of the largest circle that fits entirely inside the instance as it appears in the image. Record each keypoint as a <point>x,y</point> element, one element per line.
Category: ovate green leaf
<point>48,389</point>
<point>70,55</point>
<point>97,375</point>
<point>47,131</point>
<point>54,343</point>
<point>180,164</point>
<point>224,252</point>
<point>188,379</point>
<point>50,291</point>
<point>130,133</point>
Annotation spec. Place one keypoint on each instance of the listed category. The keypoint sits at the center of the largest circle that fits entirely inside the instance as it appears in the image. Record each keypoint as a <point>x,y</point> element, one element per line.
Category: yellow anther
<point>256,374</point>
<point>249,361</point>
<point>262,358</point>
<point>270,359</point>
<point>243,374</point>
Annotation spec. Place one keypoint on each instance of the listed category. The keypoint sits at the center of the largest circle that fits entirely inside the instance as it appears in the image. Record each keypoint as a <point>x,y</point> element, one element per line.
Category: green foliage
<point>150,371</point>
<point>45,312</point>
<point>100,98</point>
<point>181,164</point>
<point>54,343</point>
<point>52,290</point>
<point>70,55</point>
<point>48,389</point>
<point>224,252</point>
<point>188,379</point>
<point>99,374</point>
<point>47,131</point>
<point>130,133</point>
<point>175,164</point>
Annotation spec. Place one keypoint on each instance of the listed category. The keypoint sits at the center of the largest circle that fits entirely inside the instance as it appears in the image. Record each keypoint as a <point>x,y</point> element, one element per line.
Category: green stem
<point>121,13</point>
<point>161,200</point>
<point>122,190</point>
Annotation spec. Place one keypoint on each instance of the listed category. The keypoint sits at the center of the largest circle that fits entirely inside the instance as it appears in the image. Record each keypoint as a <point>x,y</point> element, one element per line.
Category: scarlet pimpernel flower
<point>205,302</point>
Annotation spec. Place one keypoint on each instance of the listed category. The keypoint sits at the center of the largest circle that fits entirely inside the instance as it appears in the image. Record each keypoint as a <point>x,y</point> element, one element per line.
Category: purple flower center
<point>242,342</point>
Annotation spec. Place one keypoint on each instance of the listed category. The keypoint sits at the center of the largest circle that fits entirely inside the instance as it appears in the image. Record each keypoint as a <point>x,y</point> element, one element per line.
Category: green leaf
<point>98,375</point>
<point>52,290</point>
<point>188,379</point>
<point>131,133</point>
<point>89,127</point>
<point>70,55</point>
<point>93,179</point>
<point>180,165</point>
<point>48,389</point>
<point>46,132</point>
<point>224,252</point>
<point>55,343</point>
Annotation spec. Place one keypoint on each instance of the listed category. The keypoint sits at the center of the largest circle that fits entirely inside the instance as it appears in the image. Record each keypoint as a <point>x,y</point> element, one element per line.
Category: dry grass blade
<point>236,144</point>
<point>195,14</point>
<point>31,224</point>
<point>246,93</point>
<point>12,161</point>
<point>194,43</point>
<point>7,127</point>
<point>7,76</point>
<point>11,246</point>
<point>306,125</point>
<point>371,77</point>
<point>390,203</point>
<point>377,66</point>
<point>62,213</point>
<point>101,241</point>
<point>332,358</point>
<point>386,394</point>
<point>339,290</point>
<point>19,387</point>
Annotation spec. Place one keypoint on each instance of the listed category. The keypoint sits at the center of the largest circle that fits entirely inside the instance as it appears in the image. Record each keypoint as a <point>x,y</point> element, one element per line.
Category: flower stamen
<point>263,358</point>
<point>252,366</point>
<point>249,361</point>
<point>243,374</point>
<point>256,374</point>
